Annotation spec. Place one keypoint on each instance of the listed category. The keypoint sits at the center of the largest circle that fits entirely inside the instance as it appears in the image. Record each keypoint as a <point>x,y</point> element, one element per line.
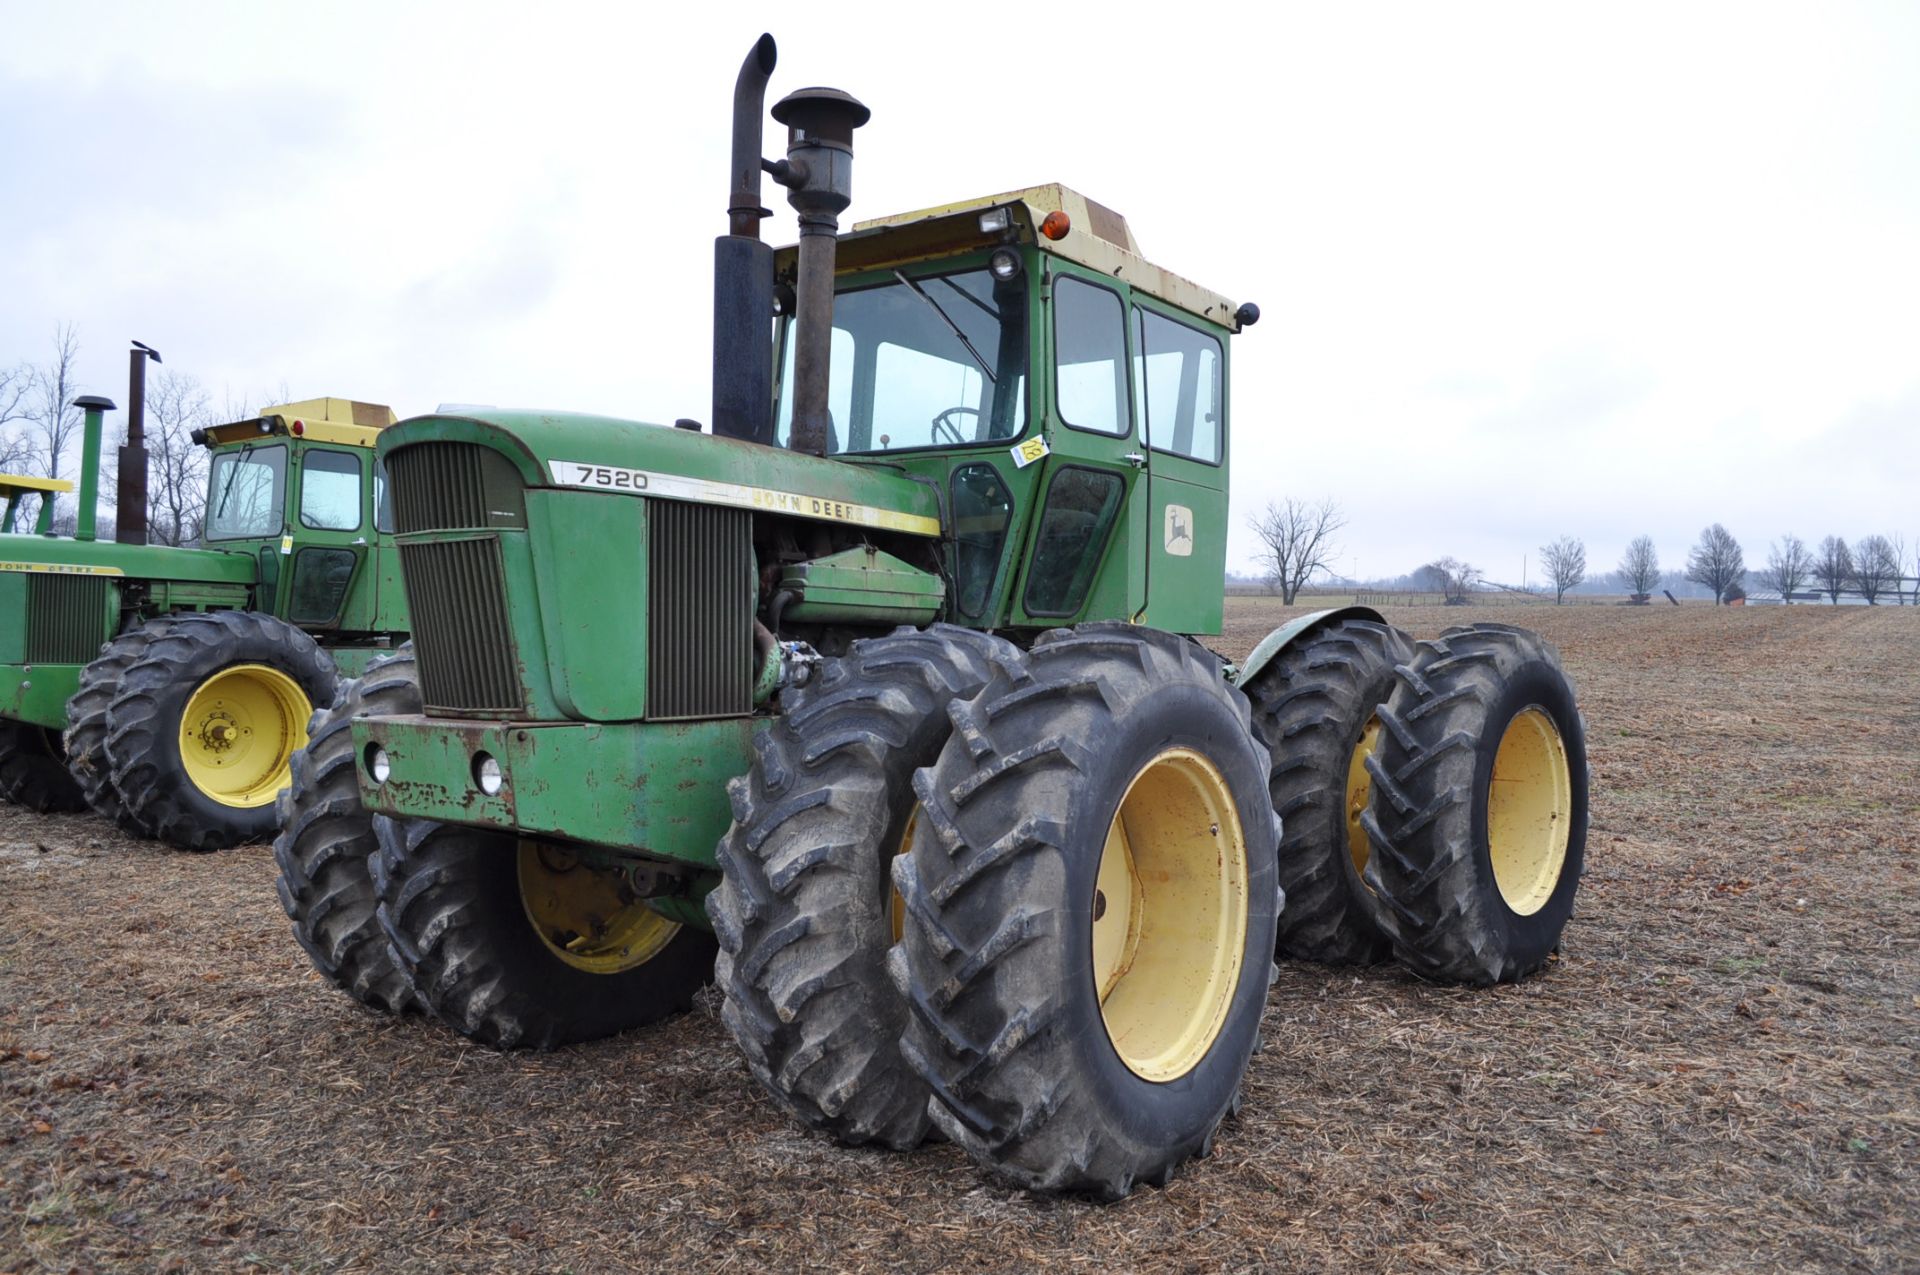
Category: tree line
<point>1297,545</point>
<point>40,435</point>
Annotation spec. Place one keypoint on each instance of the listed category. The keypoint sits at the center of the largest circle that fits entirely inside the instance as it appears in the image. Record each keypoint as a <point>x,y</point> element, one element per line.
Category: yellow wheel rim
<point>240,731</point>
<point>587,916</point>
<point>1529,811</point>
<point>1170,915</point>
<point>1359,788</point>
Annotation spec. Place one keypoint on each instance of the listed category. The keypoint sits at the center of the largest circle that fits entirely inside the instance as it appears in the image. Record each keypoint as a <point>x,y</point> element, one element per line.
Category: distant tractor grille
<point>699,611</point>
<point>452,486</point>
<point>66,618</point>
<point>457,595</point>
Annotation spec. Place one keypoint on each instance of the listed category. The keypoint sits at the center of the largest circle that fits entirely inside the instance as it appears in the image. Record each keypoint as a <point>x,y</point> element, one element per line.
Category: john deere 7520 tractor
<point>884,704</point>
<point>168,688</point>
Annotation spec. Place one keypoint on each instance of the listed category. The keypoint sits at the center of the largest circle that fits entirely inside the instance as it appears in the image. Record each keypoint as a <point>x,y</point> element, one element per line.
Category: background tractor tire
<point>452,904</point>
<point>86,737</point>
<point>1314,710</point>
<point>33,770</point>
<point>326,844</point>
<point>201,737</point>
<point>804,912</point>
<point>1088,938</point>
<point>1479,812</point>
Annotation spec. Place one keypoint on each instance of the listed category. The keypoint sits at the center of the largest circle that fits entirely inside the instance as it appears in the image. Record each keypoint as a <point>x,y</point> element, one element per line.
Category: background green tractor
<point>168,688</point>
<point>882,705</point>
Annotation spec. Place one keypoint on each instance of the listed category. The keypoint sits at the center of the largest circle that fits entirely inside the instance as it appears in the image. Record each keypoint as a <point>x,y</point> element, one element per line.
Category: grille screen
<point>449,486</point>
<point>456,592</point>
<point>66,618</point>
<point>699,611</point>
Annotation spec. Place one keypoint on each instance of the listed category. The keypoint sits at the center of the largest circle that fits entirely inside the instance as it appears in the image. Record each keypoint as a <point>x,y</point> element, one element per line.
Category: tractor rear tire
<point>804,911</point>
<point>1479,814</point>
<point>86,736</point>
<point>326,843</point>
<point>201,737</point>
<point>1090,912</point>
<point>1314,709</point>
<point>454,906</point>
<point>33,770</point>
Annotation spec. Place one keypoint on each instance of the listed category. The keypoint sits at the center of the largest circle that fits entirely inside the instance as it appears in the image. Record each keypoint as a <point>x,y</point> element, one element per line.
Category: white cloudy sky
<point>1526,269</point>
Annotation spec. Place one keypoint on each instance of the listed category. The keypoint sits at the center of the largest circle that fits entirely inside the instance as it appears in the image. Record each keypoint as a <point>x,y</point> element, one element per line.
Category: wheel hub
<point>586,915</point>
<point>239,732</point>
<point>1529,811</point>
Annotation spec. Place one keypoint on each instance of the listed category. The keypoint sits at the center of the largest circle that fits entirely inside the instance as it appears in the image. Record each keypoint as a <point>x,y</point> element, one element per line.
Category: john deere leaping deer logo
<point>1179,538</point>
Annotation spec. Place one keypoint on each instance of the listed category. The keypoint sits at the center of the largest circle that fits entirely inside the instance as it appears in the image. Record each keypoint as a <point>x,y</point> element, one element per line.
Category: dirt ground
<point>1722,1072</point>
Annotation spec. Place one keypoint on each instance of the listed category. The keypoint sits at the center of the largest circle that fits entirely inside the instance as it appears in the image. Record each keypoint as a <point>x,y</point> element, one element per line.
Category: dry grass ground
<point>1722,1072</point>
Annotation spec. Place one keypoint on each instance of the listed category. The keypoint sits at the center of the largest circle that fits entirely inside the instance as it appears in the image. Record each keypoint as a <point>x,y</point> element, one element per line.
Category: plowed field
<point>1722,1071</point>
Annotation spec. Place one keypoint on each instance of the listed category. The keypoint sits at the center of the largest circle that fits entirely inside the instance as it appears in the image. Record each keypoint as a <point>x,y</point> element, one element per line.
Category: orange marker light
<point>1056,225</point>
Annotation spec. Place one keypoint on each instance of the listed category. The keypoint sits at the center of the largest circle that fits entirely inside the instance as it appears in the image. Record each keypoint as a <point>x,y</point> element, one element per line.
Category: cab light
<point>299,427</point>
<point>1056,225</point>
<point>993,221</point>
<point>1004,263</point>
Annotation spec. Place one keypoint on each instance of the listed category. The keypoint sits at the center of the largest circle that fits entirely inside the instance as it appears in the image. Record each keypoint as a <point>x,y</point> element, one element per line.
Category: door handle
<point>1135,459</point>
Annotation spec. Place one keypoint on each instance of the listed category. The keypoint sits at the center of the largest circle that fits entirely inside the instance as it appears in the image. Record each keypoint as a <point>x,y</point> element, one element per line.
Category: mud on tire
<point>1313,707</point>
<point>451,905</point>
<point>803,913</point>
<point>326,843</point>
<point>1478,820</point>
<point>1005,896</point>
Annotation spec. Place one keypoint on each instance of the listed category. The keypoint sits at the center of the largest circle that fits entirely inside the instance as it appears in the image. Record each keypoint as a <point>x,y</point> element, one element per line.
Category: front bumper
<point>660,788</point>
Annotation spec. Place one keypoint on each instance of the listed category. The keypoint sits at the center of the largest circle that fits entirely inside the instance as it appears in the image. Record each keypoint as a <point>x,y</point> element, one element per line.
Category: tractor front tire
<point>1314,708</point>
<point>33,770</point>
<point>86,738</point>
<point>1089,927</point>
<point>326,844</point>
<point>804,911</point>
<point>459,906</point>
<point>201,737</point>
<point>1478,820</point>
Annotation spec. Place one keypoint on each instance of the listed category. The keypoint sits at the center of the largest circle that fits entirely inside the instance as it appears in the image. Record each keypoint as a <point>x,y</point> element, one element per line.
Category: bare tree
<point>1457,579</point>
<point>1565,562</point>
<point>1716,562</point>
<point>1296,541</point>
<point>1789,566</point>
<point>53,422</point>
<point>1899,547</point>
<point>1640,567</point>
<point>1833,567</point>
<point>1876,568</point>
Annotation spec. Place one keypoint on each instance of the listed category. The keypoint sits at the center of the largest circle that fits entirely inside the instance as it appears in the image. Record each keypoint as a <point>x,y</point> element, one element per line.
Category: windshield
<point>243,492</point>
<point>927,361</point>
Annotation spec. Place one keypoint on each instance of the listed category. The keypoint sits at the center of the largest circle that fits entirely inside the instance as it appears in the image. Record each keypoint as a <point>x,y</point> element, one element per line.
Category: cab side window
<point>1090,357</point>
<point>330,491</point>
<point>1176,372</point>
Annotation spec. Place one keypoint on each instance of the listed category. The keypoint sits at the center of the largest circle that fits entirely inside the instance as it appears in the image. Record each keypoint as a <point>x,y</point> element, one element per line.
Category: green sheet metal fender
<point>63,556</point>
<point>1292,631</point>
<point>600,453</point>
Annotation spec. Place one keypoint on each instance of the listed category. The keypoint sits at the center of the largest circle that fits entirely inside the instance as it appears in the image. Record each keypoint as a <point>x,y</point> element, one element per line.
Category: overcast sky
<point>1524,269</point>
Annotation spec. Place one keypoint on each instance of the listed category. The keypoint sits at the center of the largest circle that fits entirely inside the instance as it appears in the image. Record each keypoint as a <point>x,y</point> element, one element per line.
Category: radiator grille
<point>66,618</point>
<point>457,595</point>
<point>451,486</point>
<point>699,611</point>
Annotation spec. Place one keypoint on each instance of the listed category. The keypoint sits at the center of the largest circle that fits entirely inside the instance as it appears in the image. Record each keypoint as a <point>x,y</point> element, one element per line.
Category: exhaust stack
<point>743,272</point>
<point>95,407</point>
<point>130,510</point>
<point>818,175</point>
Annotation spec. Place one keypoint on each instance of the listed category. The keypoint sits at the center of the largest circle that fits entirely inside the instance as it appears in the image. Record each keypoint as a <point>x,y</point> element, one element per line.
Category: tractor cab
<point>17,488</point>
<point>299,489</point>
<point>1067,396</point>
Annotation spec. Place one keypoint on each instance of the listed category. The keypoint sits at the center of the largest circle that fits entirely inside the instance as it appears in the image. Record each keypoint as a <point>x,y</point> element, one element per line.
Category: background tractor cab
<point>1068,397</point>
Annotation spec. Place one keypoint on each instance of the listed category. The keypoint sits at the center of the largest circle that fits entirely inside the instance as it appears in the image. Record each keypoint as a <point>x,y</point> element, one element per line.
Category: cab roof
<point>321,420</point>
<point>1097,237</point>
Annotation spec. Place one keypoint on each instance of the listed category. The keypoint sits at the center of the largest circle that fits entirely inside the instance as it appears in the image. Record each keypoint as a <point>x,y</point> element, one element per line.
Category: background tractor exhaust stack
<point>130,511</point>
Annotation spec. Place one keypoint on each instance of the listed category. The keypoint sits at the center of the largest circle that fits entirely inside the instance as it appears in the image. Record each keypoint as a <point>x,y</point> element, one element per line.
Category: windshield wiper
<point>226,492</point>
<point>951,326</point>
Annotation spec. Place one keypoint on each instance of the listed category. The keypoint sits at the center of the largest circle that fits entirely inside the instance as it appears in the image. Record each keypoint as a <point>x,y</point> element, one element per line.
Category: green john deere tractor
<point>882,705</point>
<point>169,688</point>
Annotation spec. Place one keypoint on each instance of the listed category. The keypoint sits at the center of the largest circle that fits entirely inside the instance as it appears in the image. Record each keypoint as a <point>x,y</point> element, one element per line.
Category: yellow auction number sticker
<point>1026,453</point>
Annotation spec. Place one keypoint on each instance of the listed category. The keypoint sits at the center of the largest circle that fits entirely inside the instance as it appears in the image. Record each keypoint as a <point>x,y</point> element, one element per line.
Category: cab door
<point>1180,382</point>
<point>1085,556</point>
<point>329,534</point>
